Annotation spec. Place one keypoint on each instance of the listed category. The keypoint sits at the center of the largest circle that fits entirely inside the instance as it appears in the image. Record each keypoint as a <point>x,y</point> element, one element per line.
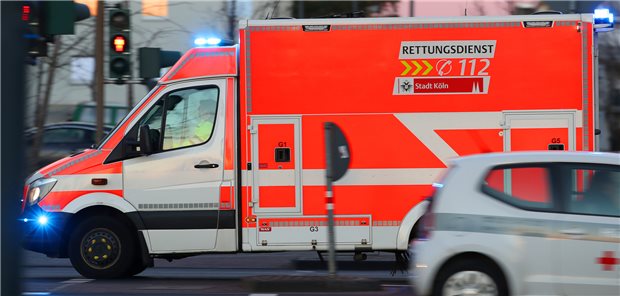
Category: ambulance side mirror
<point>146,143</point>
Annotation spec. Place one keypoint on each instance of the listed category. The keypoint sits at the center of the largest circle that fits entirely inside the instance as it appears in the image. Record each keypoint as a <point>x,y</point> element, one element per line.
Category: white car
<point>529,223</point>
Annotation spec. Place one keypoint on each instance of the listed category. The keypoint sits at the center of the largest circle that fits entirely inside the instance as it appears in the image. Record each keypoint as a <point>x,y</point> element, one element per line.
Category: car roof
<point>493,159</point>
<point>72,124</point>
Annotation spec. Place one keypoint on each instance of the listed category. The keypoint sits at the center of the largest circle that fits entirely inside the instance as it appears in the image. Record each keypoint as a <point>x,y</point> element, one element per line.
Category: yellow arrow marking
<point>430,67</point>
<point>418,68</point>
<point>407,68</point>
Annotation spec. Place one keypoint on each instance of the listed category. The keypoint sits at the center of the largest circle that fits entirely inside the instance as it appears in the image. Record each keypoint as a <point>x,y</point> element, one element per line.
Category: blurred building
<point>168,24</point>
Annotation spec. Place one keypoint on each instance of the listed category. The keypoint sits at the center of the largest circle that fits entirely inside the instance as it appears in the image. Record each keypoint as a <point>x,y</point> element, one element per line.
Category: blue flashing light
<point>604,15</point>
<point>603,20</point>
<point>200,41</point>
<point>42,220</point>
<point>437,185</point>
<point>25,220</point>
<point>214,41</point>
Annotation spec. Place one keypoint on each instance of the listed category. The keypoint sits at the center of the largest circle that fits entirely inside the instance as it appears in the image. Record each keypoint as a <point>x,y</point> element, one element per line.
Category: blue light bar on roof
<point>603,20</point>
<point>201,41</point>
<point>214,41</point>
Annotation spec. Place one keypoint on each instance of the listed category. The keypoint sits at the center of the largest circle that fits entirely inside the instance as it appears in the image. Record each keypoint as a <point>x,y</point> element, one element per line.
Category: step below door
<point>312,230</point>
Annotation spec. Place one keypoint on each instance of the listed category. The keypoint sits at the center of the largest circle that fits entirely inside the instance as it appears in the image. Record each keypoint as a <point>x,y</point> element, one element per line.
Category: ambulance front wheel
<point>101,247</point>
<point>470,277</point>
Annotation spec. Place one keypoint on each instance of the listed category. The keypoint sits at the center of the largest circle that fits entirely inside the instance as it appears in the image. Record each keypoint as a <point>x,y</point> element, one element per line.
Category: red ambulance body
<point>408,93</point>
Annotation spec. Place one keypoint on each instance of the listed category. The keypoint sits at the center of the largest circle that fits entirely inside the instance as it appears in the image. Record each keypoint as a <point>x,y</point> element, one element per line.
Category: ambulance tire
<point>101,247</point>
<point>480,267</point>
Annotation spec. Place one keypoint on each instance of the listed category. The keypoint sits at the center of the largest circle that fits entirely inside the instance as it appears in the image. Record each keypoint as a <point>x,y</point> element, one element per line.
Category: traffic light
<point>120,53</point>
<point>60,16</point>
<point>152,59</point>
<point>32,14</point>
<point>46,19</point>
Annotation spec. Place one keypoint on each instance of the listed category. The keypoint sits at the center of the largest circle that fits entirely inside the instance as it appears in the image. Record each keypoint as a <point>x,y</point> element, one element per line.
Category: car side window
<point>190,117</point>
<point>524,187</point>
<point>63,136</point>
<point>182,118</point>
<point>593,190</point>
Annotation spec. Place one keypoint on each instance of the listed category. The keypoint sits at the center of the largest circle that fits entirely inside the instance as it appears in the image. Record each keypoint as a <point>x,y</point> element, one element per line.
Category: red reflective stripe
<point>229,131</point>
<point>226,198</point>
<point>298,222</point>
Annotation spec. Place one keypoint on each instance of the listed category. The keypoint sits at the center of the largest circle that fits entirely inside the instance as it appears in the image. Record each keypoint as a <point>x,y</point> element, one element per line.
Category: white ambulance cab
<point>525,223</point>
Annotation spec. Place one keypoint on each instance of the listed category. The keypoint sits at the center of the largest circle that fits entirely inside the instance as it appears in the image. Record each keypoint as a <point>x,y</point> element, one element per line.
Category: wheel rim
<point>470,283</point>
<point>100,248</point>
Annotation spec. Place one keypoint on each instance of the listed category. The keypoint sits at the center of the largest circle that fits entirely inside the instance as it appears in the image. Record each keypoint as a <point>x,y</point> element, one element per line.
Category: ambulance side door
<point>176,188</point>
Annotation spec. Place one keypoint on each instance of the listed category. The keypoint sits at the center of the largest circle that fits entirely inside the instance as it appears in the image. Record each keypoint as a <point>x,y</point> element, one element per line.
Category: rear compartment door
<point>276,165</point>
<point>539,130</point>
<point>536,130</point>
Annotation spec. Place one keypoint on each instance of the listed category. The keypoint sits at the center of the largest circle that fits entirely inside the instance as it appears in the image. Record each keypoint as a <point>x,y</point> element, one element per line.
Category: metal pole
<point>129,96</point>
<point>329,204</point>
<point>129,86</point>
<point>411,11</point>
<point>99,68</point>
<point>300,9</point>
<point>11,136</point>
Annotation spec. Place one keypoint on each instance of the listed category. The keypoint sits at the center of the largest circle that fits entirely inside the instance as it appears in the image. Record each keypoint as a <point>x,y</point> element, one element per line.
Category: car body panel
<point>535,249</point>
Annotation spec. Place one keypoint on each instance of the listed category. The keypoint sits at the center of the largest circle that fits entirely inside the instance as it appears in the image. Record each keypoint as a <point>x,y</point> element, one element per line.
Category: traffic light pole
<point>129,86</point>
<point>99,80</point>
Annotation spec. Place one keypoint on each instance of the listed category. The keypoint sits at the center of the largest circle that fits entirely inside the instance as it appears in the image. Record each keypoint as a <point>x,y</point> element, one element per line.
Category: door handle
<point>574,231</point>
<point>206,165</point>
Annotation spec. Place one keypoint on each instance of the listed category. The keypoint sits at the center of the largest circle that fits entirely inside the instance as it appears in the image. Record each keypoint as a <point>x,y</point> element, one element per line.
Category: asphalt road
<point>215,274</point>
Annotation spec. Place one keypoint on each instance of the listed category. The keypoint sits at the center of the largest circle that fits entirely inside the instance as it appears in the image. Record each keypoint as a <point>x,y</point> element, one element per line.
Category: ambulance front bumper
<point>43,231</point>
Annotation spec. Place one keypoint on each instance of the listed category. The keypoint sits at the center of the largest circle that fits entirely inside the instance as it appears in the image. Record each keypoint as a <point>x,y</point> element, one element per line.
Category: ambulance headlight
<point>39,189</point>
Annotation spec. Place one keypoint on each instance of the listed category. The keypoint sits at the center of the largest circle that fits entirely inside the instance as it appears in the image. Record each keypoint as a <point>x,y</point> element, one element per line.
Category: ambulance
<point>227,152</point>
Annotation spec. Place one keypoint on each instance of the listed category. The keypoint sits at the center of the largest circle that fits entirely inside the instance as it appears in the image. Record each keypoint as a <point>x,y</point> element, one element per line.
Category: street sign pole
<point>337,163</point>
<point>329,202</point>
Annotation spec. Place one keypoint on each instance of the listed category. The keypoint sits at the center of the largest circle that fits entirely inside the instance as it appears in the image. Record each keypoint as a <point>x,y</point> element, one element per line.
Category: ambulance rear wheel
<point>470,277</point>
<point>101,247</point>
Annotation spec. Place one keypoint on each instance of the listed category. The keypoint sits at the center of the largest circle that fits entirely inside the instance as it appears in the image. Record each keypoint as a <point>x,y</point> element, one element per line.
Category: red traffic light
<point>26,13</point>
<point>119,43</point>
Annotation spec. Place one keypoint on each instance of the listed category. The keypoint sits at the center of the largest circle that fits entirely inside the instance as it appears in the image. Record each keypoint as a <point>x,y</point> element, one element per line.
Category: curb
<point>310,284</point>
